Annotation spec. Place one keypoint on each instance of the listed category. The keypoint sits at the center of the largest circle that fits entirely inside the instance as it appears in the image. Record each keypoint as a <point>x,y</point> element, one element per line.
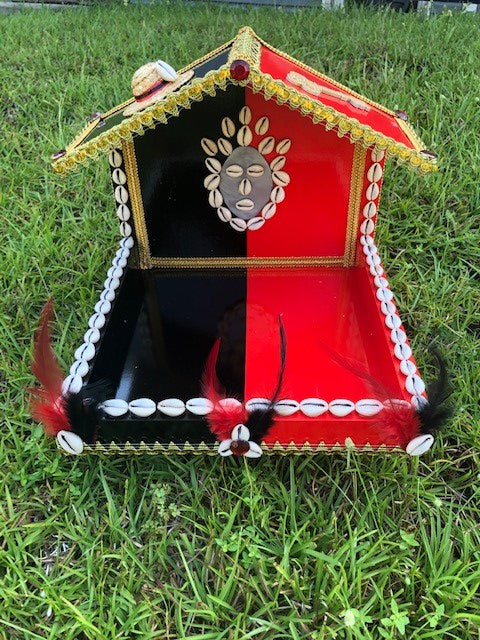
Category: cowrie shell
<point>277,195</point>
<point>284,146</point>
<point>377,155</point>
<point>240,432</point>
<point>257,403</point>
<point>341,407</point>
<point>375,172</point>
<point>367,227</point>
<point>387,307</point>
<point>127,243</point>
<point>115,159</point>
<point>418,402</point>
<point>108,294</point>
<point>255,170</point>
<point>209,146</point>
<point>245,204</point>
<point>369,249</point>
<point>407,367</point>
<point>142,407</point>
<point>229,403</point>
<point>113,272</point>
<point>72,384</point>
<point>211,181</point>
<point>121,195</point>
<point>268,210</point>
<point>373,259</point>
<point>393,322</point>
<point>402,351</point>
<point>313,407</point>
<point>234,171</point>
<point>165,71</point>
<point>199,406</point>
<point>368,407</point>
<point>266,145</point>
<point>384,294</point>
<point>281,178</point>
<point>262,126</point>
<point>245,187</point>
<point>70,442</point>
<point>224,214</point>
<point>245,115</point>
<point>286,407</point>
<point>97,321</point>
<point>85,351</point>
<point>228,128</point>
<point>213,165</point>
<point>79,368</point>
<point>380,281</point>
<point>398,336</point>
<point>123,212</point>
<point>420,445</point>
<point>118,176</point>
<point>114,407</point>
<point>366,240</point>
<point>376,270</point>
<point>278,163</point>
<point>414,385</point>
<point>244,136</point>
<point>370,210</point>
<point>225,146</point>
<point>215,198</point>
<point>238,224</point>
<point>125,229</point>
<point>172,407</point>
<point>372,191</point>
<point>255,223</point>
<point>92,336</point>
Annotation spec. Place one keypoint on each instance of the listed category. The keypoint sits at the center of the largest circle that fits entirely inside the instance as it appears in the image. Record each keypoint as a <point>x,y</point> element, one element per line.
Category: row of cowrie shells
<point>119,179</point>
<point>174,407</point>
<point>413,382</point>
<point>86,351</point>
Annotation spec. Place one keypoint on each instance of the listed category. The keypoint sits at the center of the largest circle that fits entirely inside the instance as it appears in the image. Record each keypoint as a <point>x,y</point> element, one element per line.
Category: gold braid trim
<point>252,263</point>
<point>356,185</point>
<point>246,46</point>
<point>260,83</point>
<point>210,449</point>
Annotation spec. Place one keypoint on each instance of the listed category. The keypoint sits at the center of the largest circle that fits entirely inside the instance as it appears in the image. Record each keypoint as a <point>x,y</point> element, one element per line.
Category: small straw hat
<point>152,82</point>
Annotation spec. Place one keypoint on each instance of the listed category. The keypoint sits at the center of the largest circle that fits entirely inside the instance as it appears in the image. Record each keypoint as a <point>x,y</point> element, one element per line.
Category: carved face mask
<point>245,182</point>
<point>247,187</point>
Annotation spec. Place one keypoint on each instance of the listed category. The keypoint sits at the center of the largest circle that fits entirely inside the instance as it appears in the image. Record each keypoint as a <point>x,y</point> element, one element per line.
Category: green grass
<point>330,547</point>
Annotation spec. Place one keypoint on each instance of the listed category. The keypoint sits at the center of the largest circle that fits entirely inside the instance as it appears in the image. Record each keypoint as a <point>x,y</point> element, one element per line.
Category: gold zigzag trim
<point>239,262</point>
<point>210,449</point>
<point>260,83</point>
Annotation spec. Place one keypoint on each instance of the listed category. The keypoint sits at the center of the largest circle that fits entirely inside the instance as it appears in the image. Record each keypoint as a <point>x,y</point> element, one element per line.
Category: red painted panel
<point>312,219</point>
<point>323,306</point>
<point>278,68</point>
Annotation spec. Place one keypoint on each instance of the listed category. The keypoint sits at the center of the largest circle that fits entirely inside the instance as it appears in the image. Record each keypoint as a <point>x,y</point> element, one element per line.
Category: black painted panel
<point>171,163</point>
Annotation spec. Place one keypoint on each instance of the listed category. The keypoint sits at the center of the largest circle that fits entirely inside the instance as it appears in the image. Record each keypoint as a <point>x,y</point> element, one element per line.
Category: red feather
<point>47,404</point>
<point>225,415</point>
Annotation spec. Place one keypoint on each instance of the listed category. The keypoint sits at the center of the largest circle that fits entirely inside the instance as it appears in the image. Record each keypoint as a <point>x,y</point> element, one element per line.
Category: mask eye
<point>234,171</point>
<point>255,170</point>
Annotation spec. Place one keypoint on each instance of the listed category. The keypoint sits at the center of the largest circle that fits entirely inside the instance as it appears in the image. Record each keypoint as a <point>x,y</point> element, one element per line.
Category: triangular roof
<point>372,125</point>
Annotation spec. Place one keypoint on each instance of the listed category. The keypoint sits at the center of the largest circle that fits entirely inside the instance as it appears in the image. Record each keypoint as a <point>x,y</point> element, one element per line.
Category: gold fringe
<point>260,83</point>
<point>210,449</point>
<point>133,182</point>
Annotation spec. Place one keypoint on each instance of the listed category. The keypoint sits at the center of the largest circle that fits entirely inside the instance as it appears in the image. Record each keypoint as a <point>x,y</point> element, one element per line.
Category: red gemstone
<point>239,69</point>
<point>58,154</point>
<point>401,115</point>
<point>239,447</point>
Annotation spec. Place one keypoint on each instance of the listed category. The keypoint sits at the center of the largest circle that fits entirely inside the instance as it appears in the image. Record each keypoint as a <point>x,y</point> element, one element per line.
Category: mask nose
<point>245,187</point>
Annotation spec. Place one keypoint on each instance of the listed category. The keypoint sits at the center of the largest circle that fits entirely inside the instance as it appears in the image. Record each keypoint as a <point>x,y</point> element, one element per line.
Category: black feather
<point>82,409</point>
<point>435,413</point>
<point>260,421</point>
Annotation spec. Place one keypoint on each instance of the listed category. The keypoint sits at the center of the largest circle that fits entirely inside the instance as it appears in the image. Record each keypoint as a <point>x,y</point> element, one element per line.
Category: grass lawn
<point>327,547</point>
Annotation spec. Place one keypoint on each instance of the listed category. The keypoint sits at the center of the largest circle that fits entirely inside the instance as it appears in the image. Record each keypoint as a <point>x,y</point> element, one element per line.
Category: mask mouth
<point>245,204</point>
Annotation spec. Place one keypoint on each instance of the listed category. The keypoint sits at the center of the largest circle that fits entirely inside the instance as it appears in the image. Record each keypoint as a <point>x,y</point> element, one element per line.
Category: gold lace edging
<point>259,82</point>
<point>186,448</point>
